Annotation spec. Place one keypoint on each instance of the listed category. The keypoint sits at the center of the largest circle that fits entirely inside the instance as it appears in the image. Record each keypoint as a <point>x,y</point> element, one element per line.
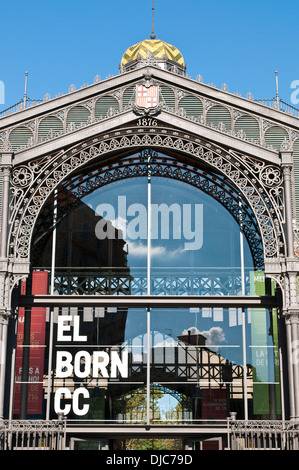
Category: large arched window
<point>141,229</point>
<point>147,227</point>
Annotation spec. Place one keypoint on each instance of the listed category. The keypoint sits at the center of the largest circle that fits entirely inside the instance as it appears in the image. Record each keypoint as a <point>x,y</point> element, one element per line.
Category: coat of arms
<point>147,99</point>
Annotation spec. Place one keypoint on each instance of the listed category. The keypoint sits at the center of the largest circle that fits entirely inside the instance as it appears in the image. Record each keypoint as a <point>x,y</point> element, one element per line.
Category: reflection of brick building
<point>77,245</point>
<point>204,382</point>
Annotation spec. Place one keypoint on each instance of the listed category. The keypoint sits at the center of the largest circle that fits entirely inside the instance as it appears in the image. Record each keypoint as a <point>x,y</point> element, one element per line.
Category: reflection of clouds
<point>120,224</point>
<point>139,249</point>
<point>214,335</point>
<point>163,347</point>
<point>166,342</point>
<point>137,357</point>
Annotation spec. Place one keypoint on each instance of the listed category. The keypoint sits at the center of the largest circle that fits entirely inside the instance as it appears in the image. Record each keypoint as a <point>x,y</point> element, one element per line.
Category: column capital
<point>6,159</point>
<point>286,158</point>
<point>4,316</point>
<point>274,265</point>
<point>283,265</point>
<point>292,315</point>
<point>292,265</point>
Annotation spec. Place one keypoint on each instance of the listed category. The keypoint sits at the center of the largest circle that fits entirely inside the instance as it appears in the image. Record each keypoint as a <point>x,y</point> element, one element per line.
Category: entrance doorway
<point>151,444</point>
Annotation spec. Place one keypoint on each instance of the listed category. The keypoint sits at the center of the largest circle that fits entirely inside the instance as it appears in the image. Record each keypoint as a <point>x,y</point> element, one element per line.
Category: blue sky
<point>69,42</point>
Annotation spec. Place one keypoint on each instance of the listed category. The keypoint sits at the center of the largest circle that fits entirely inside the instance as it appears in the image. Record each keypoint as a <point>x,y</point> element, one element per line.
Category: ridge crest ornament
<point>147,100</point>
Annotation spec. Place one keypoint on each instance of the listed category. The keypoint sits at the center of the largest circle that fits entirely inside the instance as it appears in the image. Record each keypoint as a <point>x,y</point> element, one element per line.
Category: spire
<point>153,18</point>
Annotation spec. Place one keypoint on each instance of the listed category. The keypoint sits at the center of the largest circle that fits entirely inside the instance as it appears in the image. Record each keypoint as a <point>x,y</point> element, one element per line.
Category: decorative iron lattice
<point>111,282</point>
<point>258,184</point>
<point>32,434</point>
<point>122,105</point>
<point>180,362</point>
<point>263,435</point>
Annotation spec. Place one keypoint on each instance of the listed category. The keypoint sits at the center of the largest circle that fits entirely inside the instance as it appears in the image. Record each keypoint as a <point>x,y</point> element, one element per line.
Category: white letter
<point>198,222</point>
<point>57,398</point>
<point>76,336</point>
<point>61,364</point>
<point>105,229</point>
<point>140,221</point>
<point>165,221</point>
<point>86,363</point>
<point>122,216</point>
<point>117,363</point>
<point>85,408</point>
<point>109,233</point>
<point>97,364</point>
<point>61,327</point>
<point>294,95</point>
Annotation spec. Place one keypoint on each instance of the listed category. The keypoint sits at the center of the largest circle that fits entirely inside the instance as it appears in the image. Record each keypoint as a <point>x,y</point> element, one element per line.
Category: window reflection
<point>194,356</point>
<point>102,242</point>
<point>195,359</point>
<point>202,359</point>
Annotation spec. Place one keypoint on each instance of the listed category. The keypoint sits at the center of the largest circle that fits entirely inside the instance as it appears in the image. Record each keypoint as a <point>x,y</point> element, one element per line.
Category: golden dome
<point>155,47</point>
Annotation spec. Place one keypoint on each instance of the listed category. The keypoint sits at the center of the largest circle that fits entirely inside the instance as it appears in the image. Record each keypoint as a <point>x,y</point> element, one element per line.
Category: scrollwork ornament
<point>22,176</point>
<point>271,176</point>
<point>254,183</point>
<point>286,145</point>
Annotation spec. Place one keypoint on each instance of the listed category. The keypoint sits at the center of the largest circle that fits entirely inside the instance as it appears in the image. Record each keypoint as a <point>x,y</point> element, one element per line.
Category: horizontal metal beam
<point>71,139</point>
<point>125,118</point>
<point>145,301</point>
<point>146,431</point>
<point>228,140</point>
<point>72,98</point>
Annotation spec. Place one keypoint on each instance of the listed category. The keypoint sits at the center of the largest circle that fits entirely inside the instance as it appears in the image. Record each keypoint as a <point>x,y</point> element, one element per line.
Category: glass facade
<point>139,236</point>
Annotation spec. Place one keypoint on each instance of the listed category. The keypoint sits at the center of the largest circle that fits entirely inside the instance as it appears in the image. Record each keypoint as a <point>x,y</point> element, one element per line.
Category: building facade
<point>149,263</point>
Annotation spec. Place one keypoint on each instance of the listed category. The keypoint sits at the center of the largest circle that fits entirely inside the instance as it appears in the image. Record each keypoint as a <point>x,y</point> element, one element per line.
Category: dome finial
<point>153,17</point>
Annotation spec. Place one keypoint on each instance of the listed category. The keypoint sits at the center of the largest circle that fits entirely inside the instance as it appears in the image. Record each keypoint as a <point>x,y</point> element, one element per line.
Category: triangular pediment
<point>184,104</point>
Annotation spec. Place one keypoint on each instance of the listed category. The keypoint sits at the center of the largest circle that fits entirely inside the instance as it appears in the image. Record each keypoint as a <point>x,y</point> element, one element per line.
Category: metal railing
<point>20,106</point>
<point>241,435</point>
<point>263,435</point>
<point>32,435</point>
<point>164,281</point>
<point>279,105</point>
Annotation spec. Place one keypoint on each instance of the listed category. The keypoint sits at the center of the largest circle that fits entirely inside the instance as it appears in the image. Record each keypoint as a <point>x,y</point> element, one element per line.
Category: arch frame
<point>164,166</point>
<point>260,184</point>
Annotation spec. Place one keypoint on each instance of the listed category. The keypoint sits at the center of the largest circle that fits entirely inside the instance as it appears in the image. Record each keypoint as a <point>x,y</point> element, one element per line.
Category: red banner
<point>37,348</point>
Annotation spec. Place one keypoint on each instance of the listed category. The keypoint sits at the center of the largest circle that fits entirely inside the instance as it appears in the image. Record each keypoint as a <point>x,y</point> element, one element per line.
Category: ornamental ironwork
<point>253,181</point>
<point>213,184</point>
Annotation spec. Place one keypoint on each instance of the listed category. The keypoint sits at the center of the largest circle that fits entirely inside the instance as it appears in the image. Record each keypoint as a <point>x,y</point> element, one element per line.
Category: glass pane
<point>121,235</point>
<point>100,362</point>
<point>196,364</point>
<point>195,247</point>
<point>101,246</point>
<point>263,363</point>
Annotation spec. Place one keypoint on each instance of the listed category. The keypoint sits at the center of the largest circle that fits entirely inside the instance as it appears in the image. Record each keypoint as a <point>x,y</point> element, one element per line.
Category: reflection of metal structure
<point>243,172</point>
<point>213,183</point>
<point>103,281</point>
<point>115,280</point>
<point>182,368</point>
<point>78,246</point>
